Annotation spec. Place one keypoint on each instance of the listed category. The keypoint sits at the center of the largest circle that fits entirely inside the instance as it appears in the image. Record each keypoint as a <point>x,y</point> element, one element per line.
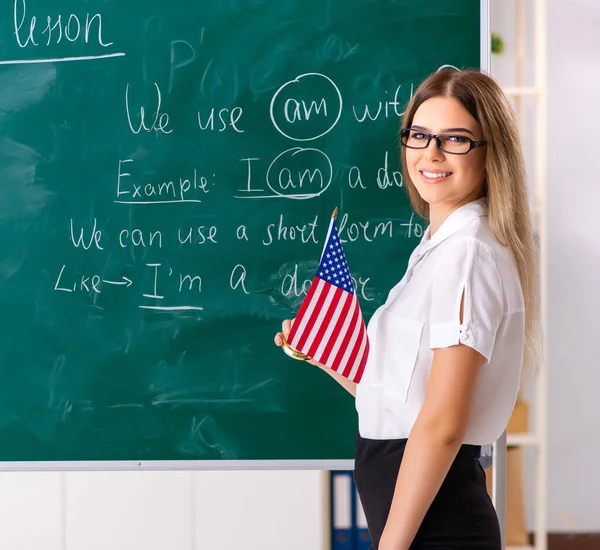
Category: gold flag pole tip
<point>294,354</point>
<point>335,212</point>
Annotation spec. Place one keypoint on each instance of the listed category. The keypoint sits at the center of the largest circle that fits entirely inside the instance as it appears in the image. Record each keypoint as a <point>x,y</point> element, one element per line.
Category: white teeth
<point>434,175</point>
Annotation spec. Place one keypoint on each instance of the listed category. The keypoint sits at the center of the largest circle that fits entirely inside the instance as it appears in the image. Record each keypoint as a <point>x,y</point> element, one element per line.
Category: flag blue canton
<point>333,268</point>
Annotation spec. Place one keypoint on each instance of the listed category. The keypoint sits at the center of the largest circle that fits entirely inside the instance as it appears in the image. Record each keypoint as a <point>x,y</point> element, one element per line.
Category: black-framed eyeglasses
<point>455,144</point>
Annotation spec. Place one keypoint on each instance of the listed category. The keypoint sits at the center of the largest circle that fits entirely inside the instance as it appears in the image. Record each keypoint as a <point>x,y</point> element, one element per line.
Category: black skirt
<point>461,515</point>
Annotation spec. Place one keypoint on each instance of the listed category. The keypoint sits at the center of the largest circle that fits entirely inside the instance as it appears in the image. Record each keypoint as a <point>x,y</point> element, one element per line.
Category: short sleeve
<point>467,267</point>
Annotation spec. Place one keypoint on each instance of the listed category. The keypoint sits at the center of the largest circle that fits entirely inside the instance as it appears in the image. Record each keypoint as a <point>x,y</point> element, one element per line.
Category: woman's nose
<point>432,151</point>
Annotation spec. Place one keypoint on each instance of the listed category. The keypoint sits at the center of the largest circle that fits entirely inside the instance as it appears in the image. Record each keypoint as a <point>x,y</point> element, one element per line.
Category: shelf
<point>521,91</point>
<point>522,439</point>
<point>529,20</point>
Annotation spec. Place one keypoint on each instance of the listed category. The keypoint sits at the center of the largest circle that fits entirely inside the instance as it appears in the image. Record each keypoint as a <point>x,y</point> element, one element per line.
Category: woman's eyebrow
<point>445,130</point>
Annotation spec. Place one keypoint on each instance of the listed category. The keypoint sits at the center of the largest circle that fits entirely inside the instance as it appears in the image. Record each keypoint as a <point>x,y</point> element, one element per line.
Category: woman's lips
<point>434,180</point>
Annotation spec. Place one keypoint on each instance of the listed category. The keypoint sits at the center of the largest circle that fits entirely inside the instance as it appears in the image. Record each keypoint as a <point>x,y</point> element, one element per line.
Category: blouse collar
<point>453,223</point>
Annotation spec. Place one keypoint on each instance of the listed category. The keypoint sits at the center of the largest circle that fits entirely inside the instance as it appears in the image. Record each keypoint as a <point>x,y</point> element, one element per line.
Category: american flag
<point>329,326</point>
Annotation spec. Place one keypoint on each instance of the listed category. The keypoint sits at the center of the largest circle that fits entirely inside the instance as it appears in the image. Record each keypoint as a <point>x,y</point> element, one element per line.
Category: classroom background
<point>283,509</point>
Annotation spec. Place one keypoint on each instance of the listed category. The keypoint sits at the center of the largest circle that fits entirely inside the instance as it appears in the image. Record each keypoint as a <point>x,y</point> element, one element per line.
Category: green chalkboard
<point>167,174</point>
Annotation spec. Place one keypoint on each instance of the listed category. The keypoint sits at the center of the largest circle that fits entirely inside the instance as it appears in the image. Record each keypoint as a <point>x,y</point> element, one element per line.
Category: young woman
<point>448,345</point>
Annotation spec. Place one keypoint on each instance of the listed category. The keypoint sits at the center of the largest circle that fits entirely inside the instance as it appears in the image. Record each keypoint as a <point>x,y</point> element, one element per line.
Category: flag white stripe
<point>340,336</point>
<point>308,313</point>
<point>359,358</point>
<point>318,322</point>
<point>334,319</point>
<point>327,238</point>
<point>348,350</point>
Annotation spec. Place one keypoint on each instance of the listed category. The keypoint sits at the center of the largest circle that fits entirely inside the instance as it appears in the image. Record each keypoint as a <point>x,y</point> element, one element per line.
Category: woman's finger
<point>286,326</point>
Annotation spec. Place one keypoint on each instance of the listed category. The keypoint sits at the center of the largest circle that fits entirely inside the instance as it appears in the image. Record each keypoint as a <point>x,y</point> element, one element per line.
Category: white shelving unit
<point>536,438</point>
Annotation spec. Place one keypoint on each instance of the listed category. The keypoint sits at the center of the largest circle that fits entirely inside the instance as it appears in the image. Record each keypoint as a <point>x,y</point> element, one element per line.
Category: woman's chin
<point>433,194</point>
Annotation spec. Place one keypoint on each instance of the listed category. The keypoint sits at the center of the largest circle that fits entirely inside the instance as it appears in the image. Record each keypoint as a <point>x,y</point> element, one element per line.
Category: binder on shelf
<point>341,511</point>
<point>363,539</point>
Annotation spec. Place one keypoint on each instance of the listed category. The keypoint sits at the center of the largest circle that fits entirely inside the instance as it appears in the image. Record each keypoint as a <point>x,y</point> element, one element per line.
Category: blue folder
<point>363,539</point>
<point>342,487</point>
<point>348,524</point>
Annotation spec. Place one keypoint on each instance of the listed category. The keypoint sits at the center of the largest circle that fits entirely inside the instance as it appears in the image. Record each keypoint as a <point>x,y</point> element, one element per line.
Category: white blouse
<point>422,312</point>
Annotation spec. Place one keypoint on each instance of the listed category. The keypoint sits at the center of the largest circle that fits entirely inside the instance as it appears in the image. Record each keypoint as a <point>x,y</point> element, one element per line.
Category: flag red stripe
<point>325,322</point>
<point>335,333</point>
<point>354,352</point>
<point>313,317</point>
<point>307,299</point>
<point>329,332</point>
<point>340,353</point>
<point>363,363</point>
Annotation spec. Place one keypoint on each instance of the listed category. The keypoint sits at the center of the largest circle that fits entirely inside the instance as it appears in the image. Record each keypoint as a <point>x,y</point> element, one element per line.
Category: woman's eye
<point>417,135</point>
<point>457,139</point>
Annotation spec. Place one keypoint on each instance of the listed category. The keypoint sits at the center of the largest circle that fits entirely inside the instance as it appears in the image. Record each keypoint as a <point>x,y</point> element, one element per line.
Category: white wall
<point>574,264</point>
<point>163,510</point>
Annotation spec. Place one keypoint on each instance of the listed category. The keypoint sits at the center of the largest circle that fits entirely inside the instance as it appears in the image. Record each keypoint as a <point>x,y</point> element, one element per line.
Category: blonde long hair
<point>505,184</point>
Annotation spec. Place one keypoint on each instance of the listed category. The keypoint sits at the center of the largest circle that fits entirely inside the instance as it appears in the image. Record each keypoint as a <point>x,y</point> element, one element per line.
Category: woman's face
<point>444,179</point>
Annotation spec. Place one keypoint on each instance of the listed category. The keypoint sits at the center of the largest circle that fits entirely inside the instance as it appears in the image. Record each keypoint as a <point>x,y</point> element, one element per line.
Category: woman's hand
<point>286,326</point>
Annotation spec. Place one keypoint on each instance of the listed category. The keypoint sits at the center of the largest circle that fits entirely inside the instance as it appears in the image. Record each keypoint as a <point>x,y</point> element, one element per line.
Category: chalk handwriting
<point>300,110</point>
<point>363,230</point>
<point>160,122</point>
<point>291,287</point>
<point>179,60</point>
<point>137,238</point>
<point>297,173</point>
<point>181,189</point>
<point>75,282</point>
<point>94,238</point>
<point>387,108</point>
<point>282,232</point>
<point>360,287</point>
<point>336,49</point>
<point>249,162</point>
<point>295,110</point>
<point>242,232</point>
<point>238,278</point>
<point>383,176</point>
<point>289,174</point>
<point>180,283</point>
<point>355,179</point>
<point>306,108</point>
<point>198,235</point>
<point>191,280</point>
<point>413,228</point>
<point>154,293</point>
<point>226,118</point>
<point>72,28</point>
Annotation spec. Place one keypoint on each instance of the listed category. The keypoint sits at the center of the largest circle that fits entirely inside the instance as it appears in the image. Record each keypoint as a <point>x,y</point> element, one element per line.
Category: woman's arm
<point>348,385</point>
<point>433,443</point>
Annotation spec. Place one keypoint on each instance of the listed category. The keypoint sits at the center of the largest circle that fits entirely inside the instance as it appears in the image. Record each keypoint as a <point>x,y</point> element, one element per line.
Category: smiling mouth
<point>434,177</point>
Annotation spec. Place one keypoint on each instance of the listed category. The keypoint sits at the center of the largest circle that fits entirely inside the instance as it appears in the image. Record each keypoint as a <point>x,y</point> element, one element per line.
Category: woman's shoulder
<point>478,247</point>
<point>478,237</point>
